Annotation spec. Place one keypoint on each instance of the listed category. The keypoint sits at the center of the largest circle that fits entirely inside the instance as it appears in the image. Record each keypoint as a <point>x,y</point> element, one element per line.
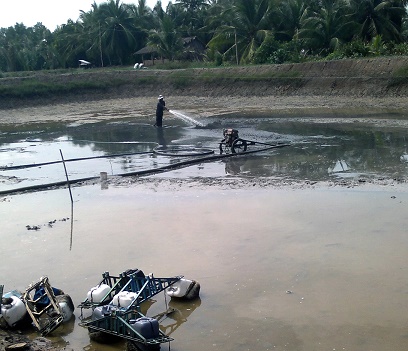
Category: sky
<point>50,13</point>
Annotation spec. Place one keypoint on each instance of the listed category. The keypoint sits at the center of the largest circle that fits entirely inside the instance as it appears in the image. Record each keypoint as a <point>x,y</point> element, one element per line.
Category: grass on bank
<point>399,77</point>
<point>47,83</point>
<point>33,88</point>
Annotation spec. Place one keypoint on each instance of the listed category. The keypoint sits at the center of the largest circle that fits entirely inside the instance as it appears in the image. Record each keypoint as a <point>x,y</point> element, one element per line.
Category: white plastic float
<point>97,293</point>
<point>184,288</point>
<point>102,311</point>
<point>124,299</point>
<point>66,306</point>
<point>13,310</point>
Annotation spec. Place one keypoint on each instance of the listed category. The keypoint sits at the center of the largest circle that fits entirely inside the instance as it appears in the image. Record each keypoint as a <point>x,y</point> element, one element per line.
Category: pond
<point>280,268</point>
<point>318,151</point>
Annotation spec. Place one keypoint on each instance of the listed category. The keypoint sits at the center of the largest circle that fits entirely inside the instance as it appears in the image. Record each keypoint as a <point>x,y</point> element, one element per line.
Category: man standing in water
<point>161,106</point>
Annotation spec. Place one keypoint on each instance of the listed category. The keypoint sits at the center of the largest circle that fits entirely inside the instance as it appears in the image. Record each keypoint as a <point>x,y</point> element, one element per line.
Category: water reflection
<point>180,311</point>
<point>340,167</point>
<point>319,157</point>
<point>233,166</point>
<point>160,137</point>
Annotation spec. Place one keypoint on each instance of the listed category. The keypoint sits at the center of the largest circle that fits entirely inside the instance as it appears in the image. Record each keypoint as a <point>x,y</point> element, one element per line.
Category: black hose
<point>8,168</point>
<point>196,160</point>
<point>143,172</point>
<point>182,151</point>
<point>252,142</point>
<point>45,186</point>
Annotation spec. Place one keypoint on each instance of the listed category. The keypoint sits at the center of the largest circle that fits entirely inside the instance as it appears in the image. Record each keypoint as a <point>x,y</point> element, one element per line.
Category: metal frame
<point>116,284</point>
<point>117,322</point>
<point>1,294</point>
<point>47,318</point>
<point>145,287</point>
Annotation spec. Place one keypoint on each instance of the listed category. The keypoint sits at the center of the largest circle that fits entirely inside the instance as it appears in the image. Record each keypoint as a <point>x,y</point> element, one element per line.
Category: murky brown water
<point>341,252</point>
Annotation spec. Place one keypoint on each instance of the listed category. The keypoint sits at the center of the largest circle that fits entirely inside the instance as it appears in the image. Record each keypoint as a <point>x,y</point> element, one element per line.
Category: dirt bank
<point>334,84</point>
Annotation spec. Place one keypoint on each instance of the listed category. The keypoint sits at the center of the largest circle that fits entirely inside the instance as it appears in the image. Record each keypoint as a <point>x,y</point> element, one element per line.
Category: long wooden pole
<point>66,174</point>
<point>236,46</point>
<point>72,201</point>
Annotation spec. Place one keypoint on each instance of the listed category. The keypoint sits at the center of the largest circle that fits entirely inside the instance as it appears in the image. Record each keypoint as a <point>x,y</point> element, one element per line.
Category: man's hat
<point>161,97</point>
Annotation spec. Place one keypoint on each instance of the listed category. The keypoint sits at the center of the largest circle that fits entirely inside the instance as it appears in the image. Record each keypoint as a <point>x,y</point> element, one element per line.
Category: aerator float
<point>40,305</point>
<point>115,304</point>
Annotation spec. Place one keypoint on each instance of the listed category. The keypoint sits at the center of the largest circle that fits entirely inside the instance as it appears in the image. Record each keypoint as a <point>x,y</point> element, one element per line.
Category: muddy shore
<point>273,106</point>
<point>353,88</point>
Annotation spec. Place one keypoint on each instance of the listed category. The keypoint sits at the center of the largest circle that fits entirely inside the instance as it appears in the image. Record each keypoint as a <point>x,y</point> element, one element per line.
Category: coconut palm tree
<point>71,42</point>
<point>12,52</point>
<point>192,5</point>
<point>117,30</point>
<point>111,32</point>
<point>192,10</point>
<point>166,39</point>
<point>324,29</point>
<point>143,15</point>
<point>289,16</point>
<point>379,17</point>
<point>89,35</point>
<point>27,48</point>
<point>247,23</point>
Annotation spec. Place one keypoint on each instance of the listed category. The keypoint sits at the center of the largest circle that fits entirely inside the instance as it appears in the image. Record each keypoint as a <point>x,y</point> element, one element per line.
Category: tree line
<point>232,32</point>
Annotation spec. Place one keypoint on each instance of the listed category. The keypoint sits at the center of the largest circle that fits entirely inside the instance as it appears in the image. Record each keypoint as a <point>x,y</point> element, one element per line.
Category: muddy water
<point>342,254</point>
<point>326,149</point>
<point>280,269</point>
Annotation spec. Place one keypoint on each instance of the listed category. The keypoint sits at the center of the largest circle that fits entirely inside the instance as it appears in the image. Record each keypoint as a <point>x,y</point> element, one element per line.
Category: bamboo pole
<point>66,174</point>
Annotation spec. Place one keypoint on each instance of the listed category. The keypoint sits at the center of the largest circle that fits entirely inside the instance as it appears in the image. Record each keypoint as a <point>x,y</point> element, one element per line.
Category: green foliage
<point>246,27</point>
<point>358,48</point>
<point>218,76</point>
<point>176,65</point>
<point>233,31</point>
<point>278,56</point>
<point>399,77</point>
<point>181,79</point>
<point>263,53</point>
<point>399,49</point>
<point>166,40</point>
<point>378,17</point>
<point>354,49</point>
<point>218,59</point>
<point>34,88</point>
<point>287,52</point>
<point>377,46</point>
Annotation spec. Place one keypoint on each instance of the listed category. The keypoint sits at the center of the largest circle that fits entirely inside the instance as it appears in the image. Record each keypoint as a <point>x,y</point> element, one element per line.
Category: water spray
<point>186,118</point>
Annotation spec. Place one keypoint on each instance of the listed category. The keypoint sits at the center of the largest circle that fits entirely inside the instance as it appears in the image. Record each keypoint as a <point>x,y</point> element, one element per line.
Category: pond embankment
<point>385,77</point>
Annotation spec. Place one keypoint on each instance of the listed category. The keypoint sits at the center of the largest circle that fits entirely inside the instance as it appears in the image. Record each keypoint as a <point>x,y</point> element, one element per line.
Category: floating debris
<point>50,224</point>
<point>34,227</point>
